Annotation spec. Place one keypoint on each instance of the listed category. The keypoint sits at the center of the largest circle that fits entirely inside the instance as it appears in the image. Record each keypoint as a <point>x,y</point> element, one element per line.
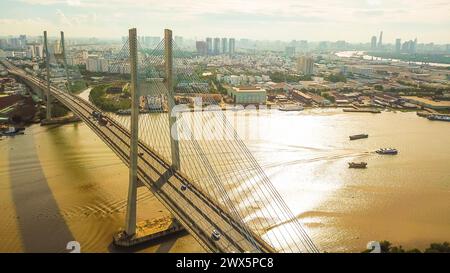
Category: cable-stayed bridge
<point>193,161</point>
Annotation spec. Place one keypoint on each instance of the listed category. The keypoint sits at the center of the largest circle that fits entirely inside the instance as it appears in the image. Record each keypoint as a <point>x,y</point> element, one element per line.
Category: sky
<point>312,20</point>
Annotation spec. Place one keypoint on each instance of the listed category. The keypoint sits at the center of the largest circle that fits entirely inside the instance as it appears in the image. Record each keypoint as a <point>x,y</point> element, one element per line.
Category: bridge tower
<point>168,63</point>
<point>64,56</point>
<point>47,67</point>
<point>130,227</point>
<point>134,232</point>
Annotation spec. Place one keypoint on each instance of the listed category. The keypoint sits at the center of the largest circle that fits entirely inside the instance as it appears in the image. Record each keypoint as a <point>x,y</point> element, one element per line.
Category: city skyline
<point>352,21</point>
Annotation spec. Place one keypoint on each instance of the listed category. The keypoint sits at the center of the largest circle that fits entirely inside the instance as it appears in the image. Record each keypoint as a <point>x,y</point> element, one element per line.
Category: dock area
<point>359,110</point>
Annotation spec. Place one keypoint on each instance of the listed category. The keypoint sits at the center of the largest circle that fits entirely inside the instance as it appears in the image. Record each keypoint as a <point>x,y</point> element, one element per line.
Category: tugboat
<point>357,165</point>
<point>354,137</point>
<point>387,151</point>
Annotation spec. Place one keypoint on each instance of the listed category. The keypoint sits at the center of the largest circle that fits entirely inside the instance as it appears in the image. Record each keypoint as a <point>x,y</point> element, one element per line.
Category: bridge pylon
<point>130,225</point>
<point>64,55</point>
<point>134,232</point>
<point>47,67</point>
<point>168,64</point>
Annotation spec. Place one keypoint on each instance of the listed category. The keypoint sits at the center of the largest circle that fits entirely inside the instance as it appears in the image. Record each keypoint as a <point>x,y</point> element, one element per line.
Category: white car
<point>215,235</point>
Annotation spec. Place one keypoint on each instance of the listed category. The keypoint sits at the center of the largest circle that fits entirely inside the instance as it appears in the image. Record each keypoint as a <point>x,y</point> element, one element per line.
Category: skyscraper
<point>231,45</point>
<point>380,41</point>
<point>216,46</point>
<point>290,51</point>
<point>398,45</point>
<point>305,64</point>
<point>303,45</point>
<point>23,40</point>
<point>209,47</point>
<point>414,46</point>
<point>179,41</point>
<point>373,42</point>
<point>202,48</point>
<point>224,45</point>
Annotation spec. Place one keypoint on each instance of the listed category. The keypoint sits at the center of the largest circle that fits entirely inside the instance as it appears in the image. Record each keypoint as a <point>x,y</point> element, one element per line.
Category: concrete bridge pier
<point>168,63</point>
<point>47,67</point>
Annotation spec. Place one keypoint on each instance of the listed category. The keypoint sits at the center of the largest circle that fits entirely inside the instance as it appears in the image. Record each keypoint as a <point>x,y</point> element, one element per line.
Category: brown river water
<point>61,183</point>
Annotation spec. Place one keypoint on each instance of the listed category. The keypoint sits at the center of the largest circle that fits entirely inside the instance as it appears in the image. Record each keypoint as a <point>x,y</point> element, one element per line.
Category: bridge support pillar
<point>130,225</point>
<point>47,67</point>
<point>168,61</point>
<point>63,47</point>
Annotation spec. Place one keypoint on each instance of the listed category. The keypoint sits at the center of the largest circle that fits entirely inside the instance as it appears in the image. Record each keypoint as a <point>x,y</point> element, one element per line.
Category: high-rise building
<point>39,50</point>
<point>231,45</point>
<point>380,40</point>
<point>398,45</point>
<point>323,45</point>
<point>216,46</point>
<point>95,63</point>
<point>340,45</point>
<point>410,46</point>
<point>224,45</point>
<point>290,51</point>
<point>14,43</point>
<point>373,42</point>
<point>30,51</point>
<point>34,50</point>
<point>303,44</point>
<point>179,41</point>
<point>305,64</point>
<point>209,46</point>
<point>202,47</point>
<point>57,46</point>
<point>23,41</point>
<point>414,46</point>
<point>3,43</point>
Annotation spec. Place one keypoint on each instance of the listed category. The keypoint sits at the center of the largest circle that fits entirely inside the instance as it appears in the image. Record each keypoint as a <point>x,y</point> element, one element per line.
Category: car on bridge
<point>100,118</point>
<point>215,235</point>
<point>96,114</point>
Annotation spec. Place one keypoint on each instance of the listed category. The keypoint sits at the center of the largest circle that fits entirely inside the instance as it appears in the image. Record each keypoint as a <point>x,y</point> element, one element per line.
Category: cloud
<point>346,19</point>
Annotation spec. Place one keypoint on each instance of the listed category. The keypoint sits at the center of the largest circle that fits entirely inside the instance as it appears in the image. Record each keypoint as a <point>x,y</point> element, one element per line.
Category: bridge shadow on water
<point>42,228</point>
<point>165,243</point>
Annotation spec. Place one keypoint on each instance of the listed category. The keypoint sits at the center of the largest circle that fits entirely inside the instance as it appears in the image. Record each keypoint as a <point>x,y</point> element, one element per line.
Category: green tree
<point>385,246</point>
<point>339,77</point>
<point>438,248</point>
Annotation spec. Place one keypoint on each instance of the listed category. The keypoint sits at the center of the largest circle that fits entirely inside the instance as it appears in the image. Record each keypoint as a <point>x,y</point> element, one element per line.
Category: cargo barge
<point>354,137</point>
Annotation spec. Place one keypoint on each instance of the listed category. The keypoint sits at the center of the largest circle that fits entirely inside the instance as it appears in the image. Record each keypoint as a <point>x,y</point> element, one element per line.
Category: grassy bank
<point>108,102</point>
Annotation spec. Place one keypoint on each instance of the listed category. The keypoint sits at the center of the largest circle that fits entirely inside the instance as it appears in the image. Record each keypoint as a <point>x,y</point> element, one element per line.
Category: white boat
<point>290,107</point>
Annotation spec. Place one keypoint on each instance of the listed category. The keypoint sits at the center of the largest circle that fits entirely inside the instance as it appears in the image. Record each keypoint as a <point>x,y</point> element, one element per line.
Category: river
<point>348,54</point>
<point>61,183</point>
